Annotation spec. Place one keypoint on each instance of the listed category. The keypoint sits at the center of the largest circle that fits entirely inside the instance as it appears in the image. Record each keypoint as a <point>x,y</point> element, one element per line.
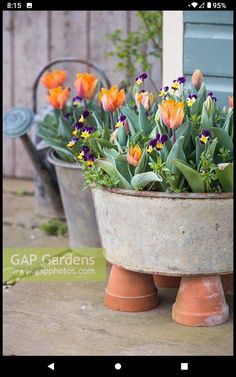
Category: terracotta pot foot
<point>200,302</point>
<point>228,284</point>
<point>162,281</point>
<point>129,291</point>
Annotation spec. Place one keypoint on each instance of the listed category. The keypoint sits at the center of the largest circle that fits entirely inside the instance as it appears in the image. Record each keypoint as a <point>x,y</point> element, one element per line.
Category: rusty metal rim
<point>57,162</point>
<point>156,194</point>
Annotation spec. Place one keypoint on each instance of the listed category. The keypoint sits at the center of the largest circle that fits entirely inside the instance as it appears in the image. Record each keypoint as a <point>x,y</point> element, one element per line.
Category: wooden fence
<point>32,38</point>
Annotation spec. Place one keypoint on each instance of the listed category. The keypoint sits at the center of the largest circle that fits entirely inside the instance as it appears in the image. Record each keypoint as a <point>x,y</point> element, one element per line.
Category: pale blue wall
<point>208,45</point>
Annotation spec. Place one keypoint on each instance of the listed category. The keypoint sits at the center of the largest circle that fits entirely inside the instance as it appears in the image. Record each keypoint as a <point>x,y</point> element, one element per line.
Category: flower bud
<point>209,105</point>
<point>223,165</point>
<point>114,136</point>
<point>197,79</point>
<point>231,101</point>
<point>157,116</point>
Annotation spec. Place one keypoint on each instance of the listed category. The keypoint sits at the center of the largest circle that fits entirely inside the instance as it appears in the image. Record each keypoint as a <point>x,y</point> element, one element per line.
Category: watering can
<point>16,124</point>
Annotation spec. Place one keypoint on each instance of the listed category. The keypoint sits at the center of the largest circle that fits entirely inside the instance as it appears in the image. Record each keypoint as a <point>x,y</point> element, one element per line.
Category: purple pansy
<point>157,143</point>
<point>140,79</point>
<point>204,136</point>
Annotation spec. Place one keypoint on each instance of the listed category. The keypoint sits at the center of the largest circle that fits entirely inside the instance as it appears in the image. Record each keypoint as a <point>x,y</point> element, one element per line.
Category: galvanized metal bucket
<point>78,204</point>
<point>166,233</point>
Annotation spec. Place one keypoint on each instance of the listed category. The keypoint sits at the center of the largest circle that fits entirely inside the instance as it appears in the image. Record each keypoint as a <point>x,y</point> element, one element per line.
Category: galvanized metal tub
<point>166,233</point>
<point>78,204</point>
<point>44,205</point>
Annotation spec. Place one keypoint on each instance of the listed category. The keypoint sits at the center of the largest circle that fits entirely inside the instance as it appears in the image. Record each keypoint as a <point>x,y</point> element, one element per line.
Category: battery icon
<point>208,5</point>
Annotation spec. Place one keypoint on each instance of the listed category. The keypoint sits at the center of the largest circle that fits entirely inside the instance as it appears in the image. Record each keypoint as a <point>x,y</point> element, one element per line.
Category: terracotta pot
<point>228,284</point>
<point>162,281</point>
<point>200,302</point>
<point>130,291</point>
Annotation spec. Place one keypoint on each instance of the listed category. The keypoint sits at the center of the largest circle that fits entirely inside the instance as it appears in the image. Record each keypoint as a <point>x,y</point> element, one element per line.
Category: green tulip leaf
<point>225,175</point>
<point>143,121</point>
<point>176,153</point>
<point>192,176</point>
<point>139,181</point>
<point>224,140</point>
<point>140,168</point>
<point>122,136</point>
<point>112,171</point>
<point>132,119</point>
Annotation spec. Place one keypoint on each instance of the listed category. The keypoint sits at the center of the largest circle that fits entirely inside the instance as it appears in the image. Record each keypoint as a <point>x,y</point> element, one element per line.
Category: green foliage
<point>55,133</point>
<point>133,52</point>
<point>97,176</point>
<point>224,173</point>
<point>54,227</point>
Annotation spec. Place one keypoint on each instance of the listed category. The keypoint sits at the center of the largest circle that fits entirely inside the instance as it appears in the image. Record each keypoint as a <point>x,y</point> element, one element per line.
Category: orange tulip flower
<point>172,113</point>
<point>58,97</point>
<point>134,155</point>
<point>231,101</point>
<point>145,98</point>
<point>85,85</point>
<point>53,79</point>
<point>111,99</point>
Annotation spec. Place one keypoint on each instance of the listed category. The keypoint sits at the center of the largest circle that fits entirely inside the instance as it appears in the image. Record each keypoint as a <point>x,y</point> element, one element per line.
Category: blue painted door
<point>208,45</point>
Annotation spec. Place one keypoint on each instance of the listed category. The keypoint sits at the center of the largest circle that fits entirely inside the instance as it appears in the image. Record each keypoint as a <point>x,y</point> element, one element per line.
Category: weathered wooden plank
<point>135,24</point>
<point>102,23</point>
<point>8,144</point>
<point>30,55</point>
<point>69,39</point>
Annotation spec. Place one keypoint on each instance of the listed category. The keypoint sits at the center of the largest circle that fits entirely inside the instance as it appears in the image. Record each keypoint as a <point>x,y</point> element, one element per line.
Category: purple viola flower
<point>163,91</point>
<point>85,134</point>
<point>89,156</point>
<point>72,142</point>
<point>191,99</point>
<point>89,160</point>
<point>157,143</point>
<point>181,80</point>
<point>120,121</point>
<point>210,94</point>
<point>76,101</point>
<point>76,127</point>
<point>85,149</point>
<point>204,136</point>
<point>83,116</point>
<point>83,153</point>
<point>140,79</point>
<point>175,85</point>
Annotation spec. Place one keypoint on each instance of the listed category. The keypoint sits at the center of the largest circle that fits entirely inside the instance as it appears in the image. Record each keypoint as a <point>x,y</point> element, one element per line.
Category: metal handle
<point>63,60</point>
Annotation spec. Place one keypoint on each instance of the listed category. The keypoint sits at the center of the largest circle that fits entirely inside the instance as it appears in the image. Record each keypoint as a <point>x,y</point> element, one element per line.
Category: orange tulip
<point>231,101</point>
<point>53,79</point>
<point>145,98</point>
<point>197,79</point>
<point>134,155</point>
<point>58,97</point>
<point>111,99</point>
<point>85,85</point>
<point>172,113</point>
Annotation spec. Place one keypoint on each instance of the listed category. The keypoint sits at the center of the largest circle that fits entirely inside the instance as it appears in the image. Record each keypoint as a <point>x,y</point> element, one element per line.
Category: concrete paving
<point>70,318</point>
